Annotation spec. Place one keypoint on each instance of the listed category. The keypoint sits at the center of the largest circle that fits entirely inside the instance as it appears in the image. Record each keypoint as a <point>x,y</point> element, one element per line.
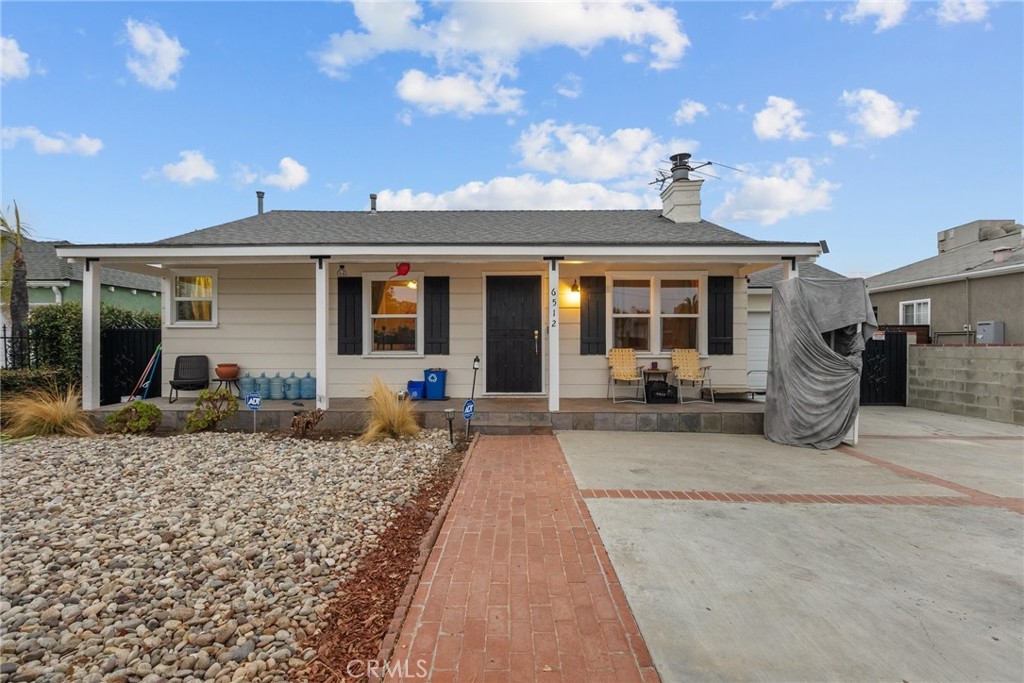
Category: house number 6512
<point>554,307</point>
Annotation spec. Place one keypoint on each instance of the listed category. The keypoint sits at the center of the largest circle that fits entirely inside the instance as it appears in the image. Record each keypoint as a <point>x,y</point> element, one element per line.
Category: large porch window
<point>656,313</point>
<point>395,314</point>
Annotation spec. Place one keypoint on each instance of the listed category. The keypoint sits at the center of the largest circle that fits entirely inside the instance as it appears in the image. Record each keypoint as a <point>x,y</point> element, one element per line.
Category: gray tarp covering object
<point>814,360</point>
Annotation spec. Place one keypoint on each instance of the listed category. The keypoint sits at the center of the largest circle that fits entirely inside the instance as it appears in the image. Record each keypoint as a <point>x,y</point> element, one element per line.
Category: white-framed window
<point>192,299</point>
<point>918,312</point>
<point>655,313</point>
<point>393,314</point>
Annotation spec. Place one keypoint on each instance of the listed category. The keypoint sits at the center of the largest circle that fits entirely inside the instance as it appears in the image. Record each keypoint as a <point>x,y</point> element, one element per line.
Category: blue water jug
<point>277,387</point>
<point>246,384</point>
<point>307,386</point>
<point>292,389</point>
<point>263,385</point>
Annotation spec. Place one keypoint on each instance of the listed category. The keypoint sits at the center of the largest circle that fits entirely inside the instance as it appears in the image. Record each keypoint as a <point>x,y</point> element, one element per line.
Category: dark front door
<point>513,359</point>
<point>883,381</point>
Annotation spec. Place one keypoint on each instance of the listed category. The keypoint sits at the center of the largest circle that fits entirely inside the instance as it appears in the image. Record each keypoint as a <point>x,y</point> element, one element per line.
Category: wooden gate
<point>883,381</point>
<point>124,355</point>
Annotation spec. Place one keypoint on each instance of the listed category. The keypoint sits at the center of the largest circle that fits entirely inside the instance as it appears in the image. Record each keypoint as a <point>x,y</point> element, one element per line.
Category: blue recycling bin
<point>416,389</point>
<point>434,379</point>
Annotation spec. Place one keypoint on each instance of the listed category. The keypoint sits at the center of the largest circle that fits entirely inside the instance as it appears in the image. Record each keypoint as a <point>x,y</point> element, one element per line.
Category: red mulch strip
<point>358,617</point>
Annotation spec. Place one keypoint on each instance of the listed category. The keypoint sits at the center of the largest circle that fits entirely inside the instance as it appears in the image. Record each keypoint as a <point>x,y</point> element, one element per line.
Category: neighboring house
<point>977,276</point>
<point>539,296</point>
<point>759,314</point>
<point>52,280</point>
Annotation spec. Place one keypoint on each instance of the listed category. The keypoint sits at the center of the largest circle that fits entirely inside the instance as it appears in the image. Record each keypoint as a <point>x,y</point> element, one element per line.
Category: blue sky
<point>870,124</point>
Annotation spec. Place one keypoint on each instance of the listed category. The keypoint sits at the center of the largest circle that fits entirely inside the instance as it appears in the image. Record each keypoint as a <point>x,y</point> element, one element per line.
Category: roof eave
<point>441,252</point>
<point>955,277</point>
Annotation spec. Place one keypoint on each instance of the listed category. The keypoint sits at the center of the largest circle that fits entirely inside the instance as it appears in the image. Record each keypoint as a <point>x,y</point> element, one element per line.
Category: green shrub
<point>57,330</point>
<point>138,417</point>
<point>212,408</point>
<point>14,382</point>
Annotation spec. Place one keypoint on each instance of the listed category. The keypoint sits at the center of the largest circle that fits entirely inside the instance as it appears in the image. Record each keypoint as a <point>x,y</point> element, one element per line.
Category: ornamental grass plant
<point>390,416</point>
<point>41,412</point>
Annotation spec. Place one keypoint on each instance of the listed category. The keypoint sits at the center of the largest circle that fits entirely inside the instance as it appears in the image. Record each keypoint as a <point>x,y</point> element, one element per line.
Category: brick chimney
<point>680,200</point>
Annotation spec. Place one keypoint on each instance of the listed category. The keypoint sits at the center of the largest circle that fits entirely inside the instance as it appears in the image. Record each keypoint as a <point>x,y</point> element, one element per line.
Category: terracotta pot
<point>227,370</point>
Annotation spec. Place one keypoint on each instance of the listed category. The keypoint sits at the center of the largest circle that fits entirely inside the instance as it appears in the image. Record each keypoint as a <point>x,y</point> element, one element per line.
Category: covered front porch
<point>503,415</point>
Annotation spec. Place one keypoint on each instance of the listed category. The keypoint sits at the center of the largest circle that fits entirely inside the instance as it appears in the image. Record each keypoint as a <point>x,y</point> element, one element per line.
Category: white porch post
<point>553,338</point>
<point>91,335</point>
<point>322,400</point>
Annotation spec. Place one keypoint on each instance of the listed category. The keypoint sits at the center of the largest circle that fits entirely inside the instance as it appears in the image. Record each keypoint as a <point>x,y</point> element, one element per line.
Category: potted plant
<point>227,370</point>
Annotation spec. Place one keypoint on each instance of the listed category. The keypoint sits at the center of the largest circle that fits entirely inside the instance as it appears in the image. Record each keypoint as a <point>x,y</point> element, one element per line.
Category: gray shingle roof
<point>766,279</point>
<point>42,264</point>
<point>602,227</point>
<point>966,260</point>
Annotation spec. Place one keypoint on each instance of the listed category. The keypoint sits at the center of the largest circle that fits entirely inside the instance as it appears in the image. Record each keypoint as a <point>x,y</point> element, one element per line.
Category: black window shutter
<point>720,316</point>
<point>435,315</point>
<point>350,316</point>
<point>592,316</point>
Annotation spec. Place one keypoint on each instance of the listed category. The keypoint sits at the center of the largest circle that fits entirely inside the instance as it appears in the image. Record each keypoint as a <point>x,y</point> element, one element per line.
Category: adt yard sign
<point>468,409</point>
<point>253,400</point>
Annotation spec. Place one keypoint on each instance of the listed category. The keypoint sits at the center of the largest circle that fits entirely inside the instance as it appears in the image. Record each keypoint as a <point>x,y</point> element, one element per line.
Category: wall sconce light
<point>341,271</point>
<point>572,298</point>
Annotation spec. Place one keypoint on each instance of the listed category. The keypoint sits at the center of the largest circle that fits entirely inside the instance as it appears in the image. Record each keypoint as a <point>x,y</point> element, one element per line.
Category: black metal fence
<point>20,351</point>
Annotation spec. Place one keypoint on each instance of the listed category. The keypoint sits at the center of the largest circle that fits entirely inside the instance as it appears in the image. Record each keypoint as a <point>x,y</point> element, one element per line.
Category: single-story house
<point>977,277</point>
<point>53,280</point>
<point>539,296</point>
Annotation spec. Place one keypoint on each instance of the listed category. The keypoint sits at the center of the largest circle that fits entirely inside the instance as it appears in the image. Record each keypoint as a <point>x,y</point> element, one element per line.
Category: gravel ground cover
<point>192,557</point>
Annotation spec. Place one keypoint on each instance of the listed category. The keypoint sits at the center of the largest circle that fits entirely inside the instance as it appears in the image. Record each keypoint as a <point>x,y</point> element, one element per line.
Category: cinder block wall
<point>976,381</point>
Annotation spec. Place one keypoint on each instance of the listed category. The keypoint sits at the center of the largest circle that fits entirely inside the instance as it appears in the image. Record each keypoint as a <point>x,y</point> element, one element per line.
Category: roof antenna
<point>681,169</point>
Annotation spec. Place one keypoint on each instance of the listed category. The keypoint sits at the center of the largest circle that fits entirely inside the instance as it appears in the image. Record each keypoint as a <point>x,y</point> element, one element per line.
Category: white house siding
<point>267,320</point>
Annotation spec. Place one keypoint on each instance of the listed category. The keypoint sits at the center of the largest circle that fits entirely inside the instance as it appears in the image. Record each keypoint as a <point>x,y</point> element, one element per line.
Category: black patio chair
<point>191,373</point>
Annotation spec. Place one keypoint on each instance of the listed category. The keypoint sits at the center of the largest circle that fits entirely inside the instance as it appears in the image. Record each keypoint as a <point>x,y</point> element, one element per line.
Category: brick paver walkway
<point>518,587</point>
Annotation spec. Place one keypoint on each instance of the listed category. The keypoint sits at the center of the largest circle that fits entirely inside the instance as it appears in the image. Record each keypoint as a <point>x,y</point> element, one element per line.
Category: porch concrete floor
<point>503,415</point>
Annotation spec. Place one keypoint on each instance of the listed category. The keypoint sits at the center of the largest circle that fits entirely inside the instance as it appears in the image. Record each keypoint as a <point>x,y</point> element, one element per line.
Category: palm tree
<point>15,285</point>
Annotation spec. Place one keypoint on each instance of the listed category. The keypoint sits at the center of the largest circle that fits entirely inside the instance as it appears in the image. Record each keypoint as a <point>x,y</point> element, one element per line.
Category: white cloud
<point>45,144</point>
<point>877,115</point>
<point>291,175</point>
<point>789,190</point>
<point>688,111</point>
<point>460,94</point>
<point>13,62</point>
<point>580,151</point>
<point>192,167</point>
<point>244,175</point>
<point>780,118</point>
<point>887,13</point>
<point>157,57</point>
<point>961,11</point>
<point>571,86</point>
<point>480,42</point>
<point>522,192</point>
<point>404,117</point>
<point>838,139</point>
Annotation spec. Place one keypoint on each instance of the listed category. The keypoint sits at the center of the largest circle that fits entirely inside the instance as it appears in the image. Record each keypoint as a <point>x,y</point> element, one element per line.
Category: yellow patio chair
<point>623,369</point>
<point>686,367</point>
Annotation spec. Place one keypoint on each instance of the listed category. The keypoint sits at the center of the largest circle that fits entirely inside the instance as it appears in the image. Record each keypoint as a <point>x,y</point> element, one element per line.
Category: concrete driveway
<point>900,560</point>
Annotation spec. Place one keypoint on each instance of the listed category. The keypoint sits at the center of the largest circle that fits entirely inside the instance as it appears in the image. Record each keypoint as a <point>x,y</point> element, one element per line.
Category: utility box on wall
<point>989,332</point>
